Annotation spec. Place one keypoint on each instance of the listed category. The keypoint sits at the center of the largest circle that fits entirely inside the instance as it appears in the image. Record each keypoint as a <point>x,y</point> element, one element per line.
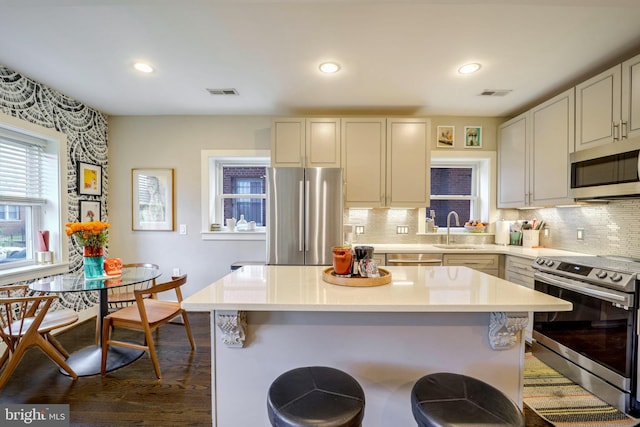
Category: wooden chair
<point>124,295</point>
<point>146,315</point>
<point>25,321</point>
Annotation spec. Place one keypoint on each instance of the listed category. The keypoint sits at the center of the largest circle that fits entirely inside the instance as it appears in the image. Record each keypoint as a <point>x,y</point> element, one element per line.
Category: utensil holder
<point>530,238</point>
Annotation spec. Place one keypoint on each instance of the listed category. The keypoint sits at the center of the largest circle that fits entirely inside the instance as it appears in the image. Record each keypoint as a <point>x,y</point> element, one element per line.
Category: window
<point>461,182</point>
<point>233,184</point>
<point>32,170</point>
<point>453,188</point>
<point>243,191</point>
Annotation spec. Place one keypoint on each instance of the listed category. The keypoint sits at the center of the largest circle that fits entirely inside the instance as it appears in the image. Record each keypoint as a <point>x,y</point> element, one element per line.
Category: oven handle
<point>585,289</point>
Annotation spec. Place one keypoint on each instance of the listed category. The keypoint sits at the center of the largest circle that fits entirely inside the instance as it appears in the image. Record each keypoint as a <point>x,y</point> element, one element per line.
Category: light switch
<point>580,234</point>
<point>183,228</point>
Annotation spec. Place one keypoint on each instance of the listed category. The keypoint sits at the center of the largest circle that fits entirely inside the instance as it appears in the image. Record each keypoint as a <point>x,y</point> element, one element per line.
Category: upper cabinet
<point>533,155</point>
<point>386,162</point>
<point>363,157</point>
<point>552,140</point>
<point>408,163</point>
<point>300,142</point>
<point>631,97</point>
<point>607,106</point>
<point>512,161</point>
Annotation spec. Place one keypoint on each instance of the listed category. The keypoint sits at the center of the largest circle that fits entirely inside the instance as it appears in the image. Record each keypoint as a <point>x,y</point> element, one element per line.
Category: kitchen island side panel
<point>385,352</point>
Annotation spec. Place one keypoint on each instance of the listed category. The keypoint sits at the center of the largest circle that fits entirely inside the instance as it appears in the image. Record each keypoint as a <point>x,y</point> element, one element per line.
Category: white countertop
<point>413,289</point>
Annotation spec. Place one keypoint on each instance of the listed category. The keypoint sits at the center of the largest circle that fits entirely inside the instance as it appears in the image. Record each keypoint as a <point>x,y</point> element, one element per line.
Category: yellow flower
<point>91,233</point>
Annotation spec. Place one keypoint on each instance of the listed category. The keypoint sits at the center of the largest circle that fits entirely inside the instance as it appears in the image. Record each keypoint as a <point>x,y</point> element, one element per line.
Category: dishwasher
<point>414,259</point>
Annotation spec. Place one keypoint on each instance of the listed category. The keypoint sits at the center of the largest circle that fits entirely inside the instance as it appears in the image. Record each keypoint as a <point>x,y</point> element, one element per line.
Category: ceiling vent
<point>223,91</point>
<point>495,92</point>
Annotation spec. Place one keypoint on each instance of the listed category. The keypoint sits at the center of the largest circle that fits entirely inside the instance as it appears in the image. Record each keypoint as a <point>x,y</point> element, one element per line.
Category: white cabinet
<point>487,263</point>
<point>598,102</point>
<point>512,161</point>
<point>533,155</point>
<point>386,162</point>
<point>607,106</point>
<point>363,161</point>
<point>408,163</point>
<point>311,142</point>
<point>631,97</point>
<point>519,271</point>
<point>552,139</point>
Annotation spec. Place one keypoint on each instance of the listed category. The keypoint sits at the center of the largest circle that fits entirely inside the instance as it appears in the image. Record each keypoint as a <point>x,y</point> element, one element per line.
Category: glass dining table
<point>87,361</point>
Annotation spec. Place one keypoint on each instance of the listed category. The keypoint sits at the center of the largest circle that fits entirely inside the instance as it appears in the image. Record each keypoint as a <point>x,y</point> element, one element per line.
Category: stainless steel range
<point>596,343</point>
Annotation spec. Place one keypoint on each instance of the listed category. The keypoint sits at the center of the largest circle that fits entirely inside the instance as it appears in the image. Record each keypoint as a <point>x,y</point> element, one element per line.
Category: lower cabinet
<point>487,263</point>
<point>519,271</point>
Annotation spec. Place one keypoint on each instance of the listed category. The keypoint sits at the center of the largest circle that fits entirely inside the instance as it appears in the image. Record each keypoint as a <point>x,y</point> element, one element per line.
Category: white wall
<point>175,142</point>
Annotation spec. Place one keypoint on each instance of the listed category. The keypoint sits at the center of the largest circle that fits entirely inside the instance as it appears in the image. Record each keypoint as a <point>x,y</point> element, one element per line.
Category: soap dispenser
<point>242,224</point>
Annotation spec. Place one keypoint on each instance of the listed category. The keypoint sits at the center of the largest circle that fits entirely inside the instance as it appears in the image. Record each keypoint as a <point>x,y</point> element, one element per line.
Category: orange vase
<point>342,260</point>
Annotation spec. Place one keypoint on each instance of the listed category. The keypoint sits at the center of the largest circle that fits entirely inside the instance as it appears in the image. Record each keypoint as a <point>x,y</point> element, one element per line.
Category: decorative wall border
<point>86,130</point>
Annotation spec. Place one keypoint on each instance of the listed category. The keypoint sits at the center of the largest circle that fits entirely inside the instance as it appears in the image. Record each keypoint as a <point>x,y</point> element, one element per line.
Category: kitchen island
<point>269,319</point>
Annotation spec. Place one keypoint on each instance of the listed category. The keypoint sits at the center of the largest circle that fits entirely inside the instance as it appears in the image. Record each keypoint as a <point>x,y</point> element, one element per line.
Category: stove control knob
<point>549,263</point>
<point>616,277</point>
<point>601,274</point>
<point>540,261</point>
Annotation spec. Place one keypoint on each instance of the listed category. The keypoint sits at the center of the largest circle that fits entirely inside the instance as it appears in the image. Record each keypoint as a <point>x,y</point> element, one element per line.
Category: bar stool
<point>315,396</point>
<point>446,399</point>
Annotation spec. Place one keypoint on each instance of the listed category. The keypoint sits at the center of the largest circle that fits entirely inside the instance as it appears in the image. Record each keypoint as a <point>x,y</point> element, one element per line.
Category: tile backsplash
<point>608,228</point>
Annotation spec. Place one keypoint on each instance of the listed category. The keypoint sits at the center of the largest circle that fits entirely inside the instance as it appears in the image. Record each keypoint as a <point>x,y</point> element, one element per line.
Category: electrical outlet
<point>546,232</point>
<point>402,229</point>
<point>359,229</point>
<point>580,234</point>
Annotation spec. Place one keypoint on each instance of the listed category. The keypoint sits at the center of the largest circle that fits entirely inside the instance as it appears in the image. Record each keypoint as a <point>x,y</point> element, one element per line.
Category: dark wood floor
<point>132,395</point>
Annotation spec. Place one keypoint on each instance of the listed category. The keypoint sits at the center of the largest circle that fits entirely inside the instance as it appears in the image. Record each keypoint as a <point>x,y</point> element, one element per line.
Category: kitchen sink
<point>459,246</point>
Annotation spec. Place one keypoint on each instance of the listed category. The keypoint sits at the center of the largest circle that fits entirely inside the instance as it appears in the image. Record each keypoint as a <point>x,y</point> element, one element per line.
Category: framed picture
<point>446,136</point>
<point>152,191</point>
<point>473,137</point>
<point>89,179</point>
<point>89,211</point>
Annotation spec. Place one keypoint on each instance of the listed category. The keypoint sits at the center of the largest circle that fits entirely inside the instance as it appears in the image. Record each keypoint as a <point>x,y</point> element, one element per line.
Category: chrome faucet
<point>455,214</point>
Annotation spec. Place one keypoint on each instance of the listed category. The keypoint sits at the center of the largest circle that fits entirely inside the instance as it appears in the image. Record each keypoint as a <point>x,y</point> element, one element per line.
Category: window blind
<point>21,168</point>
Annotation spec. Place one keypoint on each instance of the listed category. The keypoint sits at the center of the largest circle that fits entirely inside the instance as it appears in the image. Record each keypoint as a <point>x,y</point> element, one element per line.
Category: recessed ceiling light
<point>329,67</point>
<point>469,68</point>
<point>143,68</point>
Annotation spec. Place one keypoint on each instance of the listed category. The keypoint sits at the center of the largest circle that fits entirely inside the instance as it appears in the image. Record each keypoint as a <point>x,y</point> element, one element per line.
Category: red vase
<point>91,251</point>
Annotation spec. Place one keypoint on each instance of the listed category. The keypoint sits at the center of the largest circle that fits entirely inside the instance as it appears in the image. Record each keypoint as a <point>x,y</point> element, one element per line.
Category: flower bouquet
<point>92,236</point>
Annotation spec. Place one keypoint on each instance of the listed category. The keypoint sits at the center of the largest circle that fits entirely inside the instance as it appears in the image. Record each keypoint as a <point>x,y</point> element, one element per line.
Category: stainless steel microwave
<point>610,171</point>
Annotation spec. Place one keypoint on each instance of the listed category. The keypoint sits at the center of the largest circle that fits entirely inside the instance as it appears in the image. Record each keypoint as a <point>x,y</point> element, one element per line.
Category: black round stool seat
<point>446,399</point>
<point>315,396</point>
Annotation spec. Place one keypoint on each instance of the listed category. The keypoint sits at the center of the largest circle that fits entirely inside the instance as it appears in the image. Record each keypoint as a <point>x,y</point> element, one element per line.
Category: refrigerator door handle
<point>306,216</point>
<point>300,216</point>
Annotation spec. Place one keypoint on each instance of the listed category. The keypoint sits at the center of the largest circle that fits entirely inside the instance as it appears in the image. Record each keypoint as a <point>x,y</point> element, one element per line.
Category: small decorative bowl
<point>475,228</point>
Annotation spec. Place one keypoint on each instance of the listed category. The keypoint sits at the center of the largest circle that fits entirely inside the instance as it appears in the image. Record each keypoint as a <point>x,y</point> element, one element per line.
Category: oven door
<point>598,334</point>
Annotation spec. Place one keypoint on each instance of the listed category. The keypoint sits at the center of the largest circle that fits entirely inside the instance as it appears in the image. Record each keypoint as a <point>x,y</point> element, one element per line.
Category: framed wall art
<point>152,199</point>
<point>89,211</point>
<point>89,179</point>
<point>473,137</point>
<point>446,136</point>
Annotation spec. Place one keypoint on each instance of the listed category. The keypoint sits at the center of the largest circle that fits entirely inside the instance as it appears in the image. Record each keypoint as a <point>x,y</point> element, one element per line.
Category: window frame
<point>53,214</point>
<point>211,187</point>
<point>485,162</point>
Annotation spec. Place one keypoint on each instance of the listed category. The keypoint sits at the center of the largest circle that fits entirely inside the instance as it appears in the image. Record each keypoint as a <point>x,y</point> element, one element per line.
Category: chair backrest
<point>19,310</point>
<point>174,284</point>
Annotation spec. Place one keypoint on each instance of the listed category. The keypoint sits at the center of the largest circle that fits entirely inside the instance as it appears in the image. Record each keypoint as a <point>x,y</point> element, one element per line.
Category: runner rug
<point>564,403</point>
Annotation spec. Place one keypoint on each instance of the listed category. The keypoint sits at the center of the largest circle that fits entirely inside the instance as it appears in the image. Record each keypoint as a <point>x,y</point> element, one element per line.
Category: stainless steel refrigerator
<point>304,215</point>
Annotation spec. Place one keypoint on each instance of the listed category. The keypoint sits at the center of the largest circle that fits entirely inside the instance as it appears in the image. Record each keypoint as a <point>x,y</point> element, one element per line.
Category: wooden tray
<point>329,277</point>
